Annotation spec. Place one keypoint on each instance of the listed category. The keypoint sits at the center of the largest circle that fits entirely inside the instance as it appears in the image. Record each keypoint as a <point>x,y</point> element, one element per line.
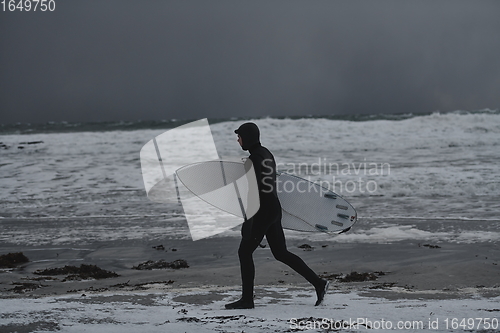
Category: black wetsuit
<point>267,221</point>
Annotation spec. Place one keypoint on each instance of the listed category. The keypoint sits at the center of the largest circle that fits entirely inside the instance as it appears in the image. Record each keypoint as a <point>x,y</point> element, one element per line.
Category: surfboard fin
<point>321,227</point>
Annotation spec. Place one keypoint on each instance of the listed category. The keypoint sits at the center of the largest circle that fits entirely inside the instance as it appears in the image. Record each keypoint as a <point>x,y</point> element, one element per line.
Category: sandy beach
<point>413,280</point>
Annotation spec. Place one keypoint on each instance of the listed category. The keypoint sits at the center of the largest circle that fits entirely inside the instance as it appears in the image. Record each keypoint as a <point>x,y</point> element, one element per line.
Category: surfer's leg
<point>277,243</point>
<point>248,245</point>
<point>245,253</point>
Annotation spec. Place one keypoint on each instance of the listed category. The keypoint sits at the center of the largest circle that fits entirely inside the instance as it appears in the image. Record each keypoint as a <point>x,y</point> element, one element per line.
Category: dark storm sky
<point>128,60</point>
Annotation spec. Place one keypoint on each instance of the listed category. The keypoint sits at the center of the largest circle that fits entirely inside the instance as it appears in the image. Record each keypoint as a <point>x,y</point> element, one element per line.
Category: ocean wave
<point>65,127</point>
<point>434,166</point>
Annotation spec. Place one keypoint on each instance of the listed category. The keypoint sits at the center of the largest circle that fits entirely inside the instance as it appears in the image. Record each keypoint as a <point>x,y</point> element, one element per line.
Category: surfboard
<point>228,185</point>
<point>308,206</point>
<point>231,186</point>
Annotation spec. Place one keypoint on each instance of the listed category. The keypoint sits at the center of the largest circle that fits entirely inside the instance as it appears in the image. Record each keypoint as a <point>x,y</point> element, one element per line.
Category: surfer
<point>266,222</point>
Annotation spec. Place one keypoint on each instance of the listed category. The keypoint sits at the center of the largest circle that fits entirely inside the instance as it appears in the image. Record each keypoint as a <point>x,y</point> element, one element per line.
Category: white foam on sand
<point>387,234</point>
<point>391,234</point>
<point>68,231</point>
<point>278,309</point>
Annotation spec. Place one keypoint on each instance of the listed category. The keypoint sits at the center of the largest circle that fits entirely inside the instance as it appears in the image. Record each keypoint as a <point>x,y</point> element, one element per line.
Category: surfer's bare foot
<point>321,291</point>
<point>241,304</point>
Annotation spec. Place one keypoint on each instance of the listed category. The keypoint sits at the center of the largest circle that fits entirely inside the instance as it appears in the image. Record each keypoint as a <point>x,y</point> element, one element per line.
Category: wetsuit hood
<point>250,135</point>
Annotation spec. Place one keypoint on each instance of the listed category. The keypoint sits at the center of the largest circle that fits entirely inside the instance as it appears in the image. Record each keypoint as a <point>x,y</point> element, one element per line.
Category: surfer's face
<point>240,141</point>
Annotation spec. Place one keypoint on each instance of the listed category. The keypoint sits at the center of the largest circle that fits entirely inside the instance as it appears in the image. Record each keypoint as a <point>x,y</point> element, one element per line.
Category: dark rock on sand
<point>11,260</point>
<point>306,247</point>
<point>330,276</point>
<point>162,264</point>
<point>21,287</point>
<point>30,143</point>
<point>189,319</point>
<point>74,273</point>
<point>430,246</point>
<point>358,277</point>
<point>352,277</point>
<point>385,285</point>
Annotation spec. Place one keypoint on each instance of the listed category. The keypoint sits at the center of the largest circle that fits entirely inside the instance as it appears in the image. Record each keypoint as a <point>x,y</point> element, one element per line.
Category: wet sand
<point>443,268</point>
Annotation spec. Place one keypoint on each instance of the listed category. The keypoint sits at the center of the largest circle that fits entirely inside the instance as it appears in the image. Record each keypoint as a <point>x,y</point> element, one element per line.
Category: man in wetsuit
<point>266,222</point>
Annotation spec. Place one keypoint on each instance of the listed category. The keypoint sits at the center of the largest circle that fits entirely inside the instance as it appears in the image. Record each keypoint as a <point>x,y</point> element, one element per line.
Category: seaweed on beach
<point>385,285</point>
<point>162,264</point>
<point>189,319</point>
<point>83,272</point>
<point>352,277</point>
<point>21,287</point>
<point>41,278</point>
<point>11,260</point>
<point>358,277</point>
<point>226,319</point>
<point>149,285</point>
<point>306,247</point>
<point>431,246</point>
<point>235,317</point>
<point>330,276</point>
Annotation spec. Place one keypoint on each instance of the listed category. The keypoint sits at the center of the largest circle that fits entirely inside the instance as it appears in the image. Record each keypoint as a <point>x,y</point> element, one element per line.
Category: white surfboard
<point>308,206</point>
<point>231,186</point>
